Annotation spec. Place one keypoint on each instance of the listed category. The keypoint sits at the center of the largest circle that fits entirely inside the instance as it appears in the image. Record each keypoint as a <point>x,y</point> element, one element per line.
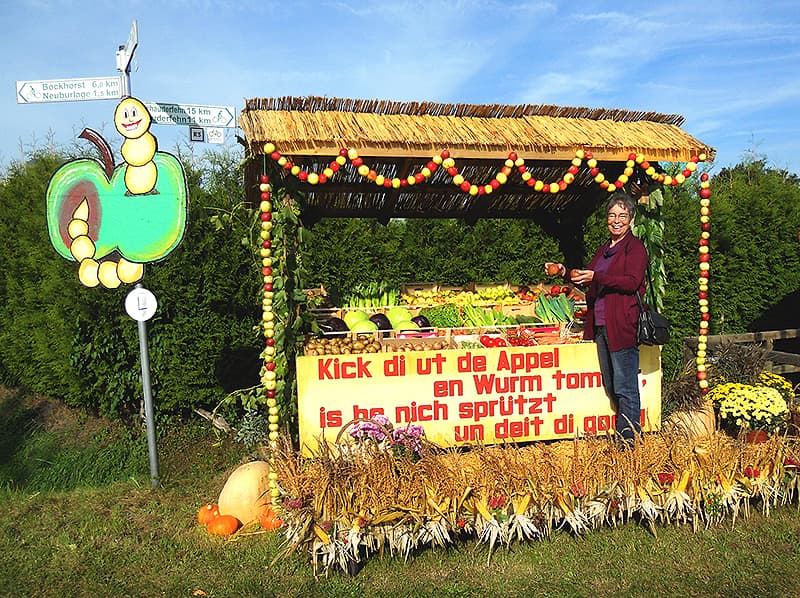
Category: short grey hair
<point>623,199</point>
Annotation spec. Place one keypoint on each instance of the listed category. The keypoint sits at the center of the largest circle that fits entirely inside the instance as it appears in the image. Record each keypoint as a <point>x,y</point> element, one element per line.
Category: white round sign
<point>140,304</point>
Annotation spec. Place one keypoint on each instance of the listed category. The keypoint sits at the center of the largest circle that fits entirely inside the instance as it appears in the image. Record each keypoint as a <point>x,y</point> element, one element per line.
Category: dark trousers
<point>620,371</point>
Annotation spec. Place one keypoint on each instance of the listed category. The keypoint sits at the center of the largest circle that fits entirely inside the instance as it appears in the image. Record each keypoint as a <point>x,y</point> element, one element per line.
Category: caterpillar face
<point>131,118</point>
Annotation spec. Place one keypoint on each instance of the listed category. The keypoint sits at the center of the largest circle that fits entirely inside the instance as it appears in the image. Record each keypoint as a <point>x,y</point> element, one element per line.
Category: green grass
<point>103,531</point>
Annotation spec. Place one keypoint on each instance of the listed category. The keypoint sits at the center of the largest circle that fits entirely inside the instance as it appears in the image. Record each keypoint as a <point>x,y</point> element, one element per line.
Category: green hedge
<point>62,339</point>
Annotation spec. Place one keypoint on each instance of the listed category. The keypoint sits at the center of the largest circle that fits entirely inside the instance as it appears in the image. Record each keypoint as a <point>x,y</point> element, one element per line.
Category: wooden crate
<point>519,309</point>
<point>422,287</point>
<point>443,288</point>
<point>433,343</point>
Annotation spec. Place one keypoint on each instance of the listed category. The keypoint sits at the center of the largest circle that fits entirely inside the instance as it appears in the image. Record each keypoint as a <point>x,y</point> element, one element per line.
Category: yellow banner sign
<point>469,396</point>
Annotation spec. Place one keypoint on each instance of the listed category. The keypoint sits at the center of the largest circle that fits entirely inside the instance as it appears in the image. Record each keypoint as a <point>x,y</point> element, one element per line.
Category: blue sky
<point>731,68</point>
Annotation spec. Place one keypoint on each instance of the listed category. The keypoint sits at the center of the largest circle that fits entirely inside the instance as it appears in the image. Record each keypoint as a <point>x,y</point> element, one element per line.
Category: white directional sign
<point>125,53</point>
<point>69,90</point>
<point>192,114</point>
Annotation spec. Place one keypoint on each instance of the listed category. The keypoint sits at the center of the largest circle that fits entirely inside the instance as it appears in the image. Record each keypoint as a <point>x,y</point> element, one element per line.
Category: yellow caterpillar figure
<point>133,120</point>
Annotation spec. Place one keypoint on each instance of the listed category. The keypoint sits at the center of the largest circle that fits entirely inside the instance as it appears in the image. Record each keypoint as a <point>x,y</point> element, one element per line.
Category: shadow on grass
<point>44,446</point>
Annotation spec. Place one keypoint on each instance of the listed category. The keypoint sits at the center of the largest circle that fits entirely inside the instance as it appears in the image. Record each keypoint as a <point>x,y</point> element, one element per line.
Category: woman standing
<point>615,274</point>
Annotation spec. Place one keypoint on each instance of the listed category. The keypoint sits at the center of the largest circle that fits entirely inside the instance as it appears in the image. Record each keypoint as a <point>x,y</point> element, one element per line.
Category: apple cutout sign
<point>112,219</point>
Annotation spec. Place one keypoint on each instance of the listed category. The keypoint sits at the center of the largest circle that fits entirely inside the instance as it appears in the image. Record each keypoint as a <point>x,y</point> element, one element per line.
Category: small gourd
<point>207,513</point>
<point>224,525</point>
<point>269,519</point>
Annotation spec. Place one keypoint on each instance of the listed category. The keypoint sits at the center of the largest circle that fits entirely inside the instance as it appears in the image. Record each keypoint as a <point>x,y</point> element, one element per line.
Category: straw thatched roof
<point>398,138</point>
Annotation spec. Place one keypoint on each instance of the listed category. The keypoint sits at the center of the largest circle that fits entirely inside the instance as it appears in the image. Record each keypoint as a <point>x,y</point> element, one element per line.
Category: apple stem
<point>102,145</point>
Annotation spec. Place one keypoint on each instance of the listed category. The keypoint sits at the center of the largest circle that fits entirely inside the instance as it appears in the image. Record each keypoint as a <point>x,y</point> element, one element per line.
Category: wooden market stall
<point>555,165</point>
<point>380,159</point>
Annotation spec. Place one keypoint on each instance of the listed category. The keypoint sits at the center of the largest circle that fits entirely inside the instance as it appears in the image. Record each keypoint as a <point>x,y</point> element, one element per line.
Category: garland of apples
<point>702,281</point>
<point>445,161</point>
<point>268,373</point>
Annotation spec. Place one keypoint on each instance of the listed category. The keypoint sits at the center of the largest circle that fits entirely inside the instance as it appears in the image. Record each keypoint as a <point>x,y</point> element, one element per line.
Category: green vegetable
<point>446,315</point>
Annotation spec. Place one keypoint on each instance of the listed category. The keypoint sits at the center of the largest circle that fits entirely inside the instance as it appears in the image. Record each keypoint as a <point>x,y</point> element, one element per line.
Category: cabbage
<point>364,326</point>
<point>351,317</point>
<point>398,314</point>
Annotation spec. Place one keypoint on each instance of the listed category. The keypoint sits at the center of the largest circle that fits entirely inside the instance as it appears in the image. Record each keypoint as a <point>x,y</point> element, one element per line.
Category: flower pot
<point>756,436</point>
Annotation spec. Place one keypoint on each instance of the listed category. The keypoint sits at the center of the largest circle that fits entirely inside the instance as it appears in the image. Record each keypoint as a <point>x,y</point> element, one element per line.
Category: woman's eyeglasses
<point>621,217</point>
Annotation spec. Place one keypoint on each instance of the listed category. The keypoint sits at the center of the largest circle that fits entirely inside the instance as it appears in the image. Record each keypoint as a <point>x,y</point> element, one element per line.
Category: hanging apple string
<point>445,161</point>
<point>268,374</point>
<point>702,281</point>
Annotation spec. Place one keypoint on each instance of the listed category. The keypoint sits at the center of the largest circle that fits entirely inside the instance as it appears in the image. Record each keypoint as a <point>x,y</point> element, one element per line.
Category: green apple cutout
<point>113,220</point>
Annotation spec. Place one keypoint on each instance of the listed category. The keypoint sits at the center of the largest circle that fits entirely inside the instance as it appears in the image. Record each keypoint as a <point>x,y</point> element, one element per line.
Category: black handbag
<point>652,328</point>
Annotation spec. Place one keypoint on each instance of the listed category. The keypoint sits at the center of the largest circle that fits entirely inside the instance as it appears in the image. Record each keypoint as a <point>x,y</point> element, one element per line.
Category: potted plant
<point>749,408</point>
<point>788,392</point>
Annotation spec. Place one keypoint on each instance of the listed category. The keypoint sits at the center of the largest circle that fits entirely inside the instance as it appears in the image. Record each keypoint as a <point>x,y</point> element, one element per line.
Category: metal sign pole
<point>149,417</point>
<point>141,305</point>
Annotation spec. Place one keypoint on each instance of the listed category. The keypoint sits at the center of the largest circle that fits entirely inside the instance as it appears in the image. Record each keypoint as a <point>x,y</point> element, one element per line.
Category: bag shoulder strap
<point>639,301</point>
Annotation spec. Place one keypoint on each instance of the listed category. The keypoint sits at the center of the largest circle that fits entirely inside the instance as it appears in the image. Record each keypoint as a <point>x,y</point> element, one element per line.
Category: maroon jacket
<point>625,276</point>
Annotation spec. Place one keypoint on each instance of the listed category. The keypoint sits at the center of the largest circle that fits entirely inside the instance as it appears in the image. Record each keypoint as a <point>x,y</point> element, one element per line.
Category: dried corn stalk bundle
<point>342,505</point>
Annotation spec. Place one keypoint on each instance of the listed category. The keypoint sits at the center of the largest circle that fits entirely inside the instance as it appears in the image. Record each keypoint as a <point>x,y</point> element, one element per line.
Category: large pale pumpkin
<point>246,492</point>
<point>699,424</point>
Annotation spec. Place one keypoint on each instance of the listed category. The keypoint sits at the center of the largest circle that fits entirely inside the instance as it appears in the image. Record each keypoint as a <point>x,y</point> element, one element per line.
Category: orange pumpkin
<point>207,513</point>
<point>269,519</point>
<point>224,525</point>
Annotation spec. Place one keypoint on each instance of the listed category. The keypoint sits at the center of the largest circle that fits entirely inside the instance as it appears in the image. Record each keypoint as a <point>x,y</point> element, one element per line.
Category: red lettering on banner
<point>505,406</point>
<point>330,419</point>
<point>336,369</point>
<point>571,380</point>
<point>564,424</point>
<point>448,388</point>
<point>527,361</point>
<point>468,433</point>
<point>599,424</point>
<point>471,363</point>
<point>359,413</point>
<point>518,429</point>
<point>396,366</point>
<point>426,364</point>
<point>420,413</point>
<point>491,384</point>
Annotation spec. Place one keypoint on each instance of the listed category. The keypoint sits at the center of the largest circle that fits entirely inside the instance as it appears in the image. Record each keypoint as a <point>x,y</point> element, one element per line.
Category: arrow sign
<point>69,90</point>
<point>125,53</point>
<point>192,114</point>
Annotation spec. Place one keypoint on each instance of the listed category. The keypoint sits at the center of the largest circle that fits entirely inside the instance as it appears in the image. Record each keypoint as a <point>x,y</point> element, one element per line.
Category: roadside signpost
<point>125,55</point>
<point>69,90</point>
<point>192,114</point>
<point>213,119</point>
